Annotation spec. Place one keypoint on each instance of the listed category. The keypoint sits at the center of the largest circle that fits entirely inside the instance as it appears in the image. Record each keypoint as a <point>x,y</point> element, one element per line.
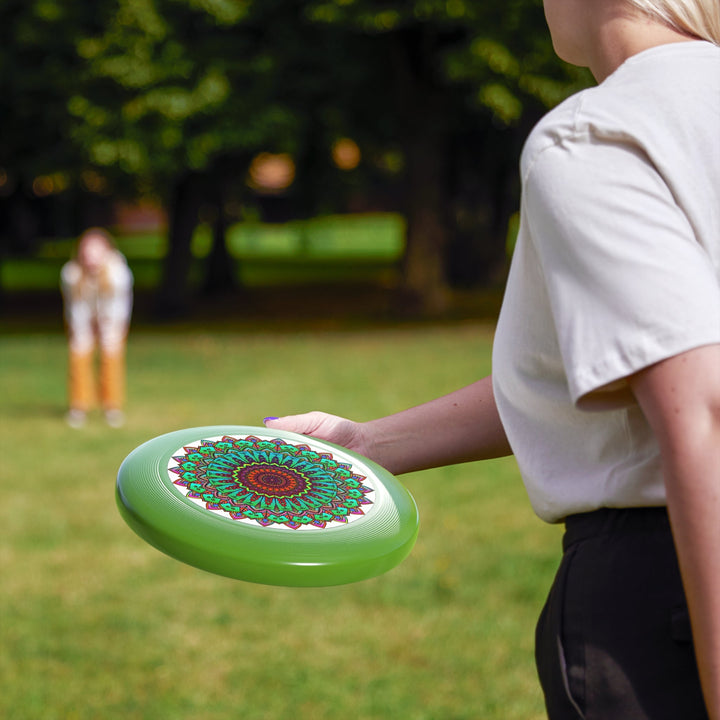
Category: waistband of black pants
<point>607,521</point>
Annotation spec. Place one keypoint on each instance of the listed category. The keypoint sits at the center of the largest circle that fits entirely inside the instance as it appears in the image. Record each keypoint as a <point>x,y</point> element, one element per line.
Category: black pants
<point>613,641</point>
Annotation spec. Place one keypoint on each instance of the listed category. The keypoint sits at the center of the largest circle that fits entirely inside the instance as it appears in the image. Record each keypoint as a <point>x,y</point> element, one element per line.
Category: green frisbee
<point>267,506</point>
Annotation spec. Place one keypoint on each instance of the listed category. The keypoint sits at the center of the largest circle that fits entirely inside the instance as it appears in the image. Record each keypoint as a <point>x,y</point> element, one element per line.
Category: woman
<point>606,365</point>
<point>97,293</point>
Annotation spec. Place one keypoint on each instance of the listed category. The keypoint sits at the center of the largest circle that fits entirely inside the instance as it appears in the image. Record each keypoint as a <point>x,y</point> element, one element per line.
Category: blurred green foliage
<point>173,99</point>
<point>148,88</point>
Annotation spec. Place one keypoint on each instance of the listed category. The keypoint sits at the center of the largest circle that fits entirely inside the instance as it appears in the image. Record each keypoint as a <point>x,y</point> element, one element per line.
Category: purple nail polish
<point>269,418</point>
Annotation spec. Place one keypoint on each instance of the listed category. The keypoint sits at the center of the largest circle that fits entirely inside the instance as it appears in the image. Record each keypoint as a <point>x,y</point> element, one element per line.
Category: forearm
<point>693,496</point>
<point>460,427</point>
<point>681,400</point>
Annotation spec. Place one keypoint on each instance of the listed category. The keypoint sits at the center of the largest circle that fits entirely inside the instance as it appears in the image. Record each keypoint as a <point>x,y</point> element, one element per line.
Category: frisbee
<point>266,506</point>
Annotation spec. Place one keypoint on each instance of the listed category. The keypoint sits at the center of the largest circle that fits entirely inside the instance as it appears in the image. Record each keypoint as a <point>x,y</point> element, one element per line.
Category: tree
<point>184,94</point>
<point>461,72</point>
<point>38,69</point>
<point>175,98</point>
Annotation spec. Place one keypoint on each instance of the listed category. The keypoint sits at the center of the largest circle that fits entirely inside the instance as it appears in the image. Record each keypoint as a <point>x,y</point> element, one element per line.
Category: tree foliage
<point>175,97</point>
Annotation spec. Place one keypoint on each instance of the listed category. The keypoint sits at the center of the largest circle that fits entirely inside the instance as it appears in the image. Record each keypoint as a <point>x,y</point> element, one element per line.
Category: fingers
<point>319,425</point>
<point>305,424</point>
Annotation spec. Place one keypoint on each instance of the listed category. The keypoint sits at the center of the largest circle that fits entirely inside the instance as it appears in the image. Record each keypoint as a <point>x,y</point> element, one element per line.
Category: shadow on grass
<point>340,306</point>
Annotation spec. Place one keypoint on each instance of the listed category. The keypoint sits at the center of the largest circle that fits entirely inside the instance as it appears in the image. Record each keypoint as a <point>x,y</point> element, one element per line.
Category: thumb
<point>323,426</point>
<point>304,424</point>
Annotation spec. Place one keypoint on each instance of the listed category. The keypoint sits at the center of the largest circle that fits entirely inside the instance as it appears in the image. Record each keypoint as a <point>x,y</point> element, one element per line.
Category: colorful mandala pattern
<point>270,482</point>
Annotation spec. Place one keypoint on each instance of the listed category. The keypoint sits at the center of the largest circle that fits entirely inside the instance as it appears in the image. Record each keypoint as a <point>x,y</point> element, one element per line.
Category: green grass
<point>94,623</point>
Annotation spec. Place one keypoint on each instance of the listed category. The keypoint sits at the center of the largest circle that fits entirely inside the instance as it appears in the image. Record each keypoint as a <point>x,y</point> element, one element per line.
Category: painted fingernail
<point>269,418</point>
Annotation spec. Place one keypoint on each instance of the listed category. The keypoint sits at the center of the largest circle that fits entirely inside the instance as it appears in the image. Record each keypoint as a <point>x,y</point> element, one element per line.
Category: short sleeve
<point>628,282</point>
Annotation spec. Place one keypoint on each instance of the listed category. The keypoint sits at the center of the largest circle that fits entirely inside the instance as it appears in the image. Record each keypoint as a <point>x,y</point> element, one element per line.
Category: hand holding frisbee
<point>267,506</point>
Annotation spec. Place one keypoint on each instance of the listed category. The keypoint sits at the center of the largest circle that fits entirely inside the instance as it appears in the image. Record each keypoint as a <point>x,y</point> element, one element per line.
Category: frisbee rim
<point>173,523</point>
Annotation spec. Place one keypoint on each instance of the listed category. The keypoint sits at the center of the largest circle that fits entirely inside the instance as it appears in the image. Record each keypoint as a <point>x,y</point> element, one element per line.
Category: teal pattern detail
<point>271,482</point>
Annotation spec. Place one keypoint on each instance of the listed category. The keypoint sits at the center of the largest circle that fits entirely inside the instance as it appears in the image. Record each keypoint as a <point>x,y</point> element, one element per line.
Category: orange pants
<point>83,390</point>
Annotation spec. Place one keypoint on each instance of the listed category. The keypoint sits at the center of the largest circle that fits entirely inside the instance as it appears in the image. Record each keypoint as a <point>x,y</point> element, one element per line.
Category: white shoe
<point>115,418</point>
<point>75,418</point>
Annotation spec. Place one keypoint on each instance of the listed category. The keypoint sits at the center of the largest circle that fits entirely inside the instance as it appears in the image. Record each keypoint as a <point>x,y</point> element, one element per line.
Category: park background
<point>318,201</point>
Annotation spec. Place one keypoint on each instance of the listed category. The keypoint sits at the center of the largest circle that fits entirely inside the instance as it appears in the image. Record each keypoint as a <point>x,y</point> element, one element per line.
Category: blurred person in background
<point>97,295</point>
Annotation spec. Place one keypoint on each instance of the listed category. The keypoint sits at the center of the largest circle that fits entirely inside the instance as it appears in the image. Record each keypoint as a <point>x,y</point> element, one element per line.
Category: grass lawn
<point>94,623</point>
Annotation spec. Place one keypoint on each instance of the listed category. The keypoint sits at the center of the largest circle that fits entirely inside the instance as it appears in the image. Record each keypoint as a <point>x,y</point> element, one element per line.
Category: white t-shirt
<point>97,308</point>
<point>617,266</point>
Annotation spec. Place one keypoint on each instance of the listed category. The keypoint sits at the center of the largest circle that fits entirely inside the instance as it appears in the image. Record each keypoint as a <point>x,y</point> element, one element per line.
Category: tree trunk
<point>424,276</point>
<point>485,194</point>
<point>220,267</point>
<point>424,143</point>
<point>174,295</point>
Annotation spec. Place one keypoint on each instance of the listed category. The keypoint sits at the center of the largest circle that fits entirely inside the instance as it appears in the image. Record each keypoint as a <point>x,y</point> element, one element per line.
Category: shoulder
<point>594,117</point>
<point>648,105</point>
<point>553,130</point>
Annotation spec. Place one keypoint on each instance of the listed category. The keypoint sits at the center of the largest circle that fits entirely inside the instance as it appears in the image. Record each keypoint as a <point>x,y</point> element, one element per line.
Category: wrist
<point>375,444</point>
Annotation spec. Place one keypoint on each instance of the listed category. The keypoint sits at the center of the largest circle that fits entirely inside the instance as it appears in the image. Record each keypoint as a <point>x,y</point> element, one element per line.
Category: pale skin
<point>681,400</point>
<point>459,427</point>
<point>93,251</point>
<point>679,396</point>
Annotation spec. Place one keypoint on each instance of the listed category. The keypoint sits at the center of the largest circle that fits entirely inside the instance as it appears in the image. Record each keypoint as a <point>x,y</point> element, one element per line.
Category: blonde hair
<point>699,18</point>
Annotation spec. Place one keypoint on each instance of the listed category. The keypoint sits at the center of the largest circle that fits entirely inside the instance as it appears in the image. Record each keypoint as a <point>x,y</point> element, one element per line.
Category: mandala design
<point>270,482</point>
